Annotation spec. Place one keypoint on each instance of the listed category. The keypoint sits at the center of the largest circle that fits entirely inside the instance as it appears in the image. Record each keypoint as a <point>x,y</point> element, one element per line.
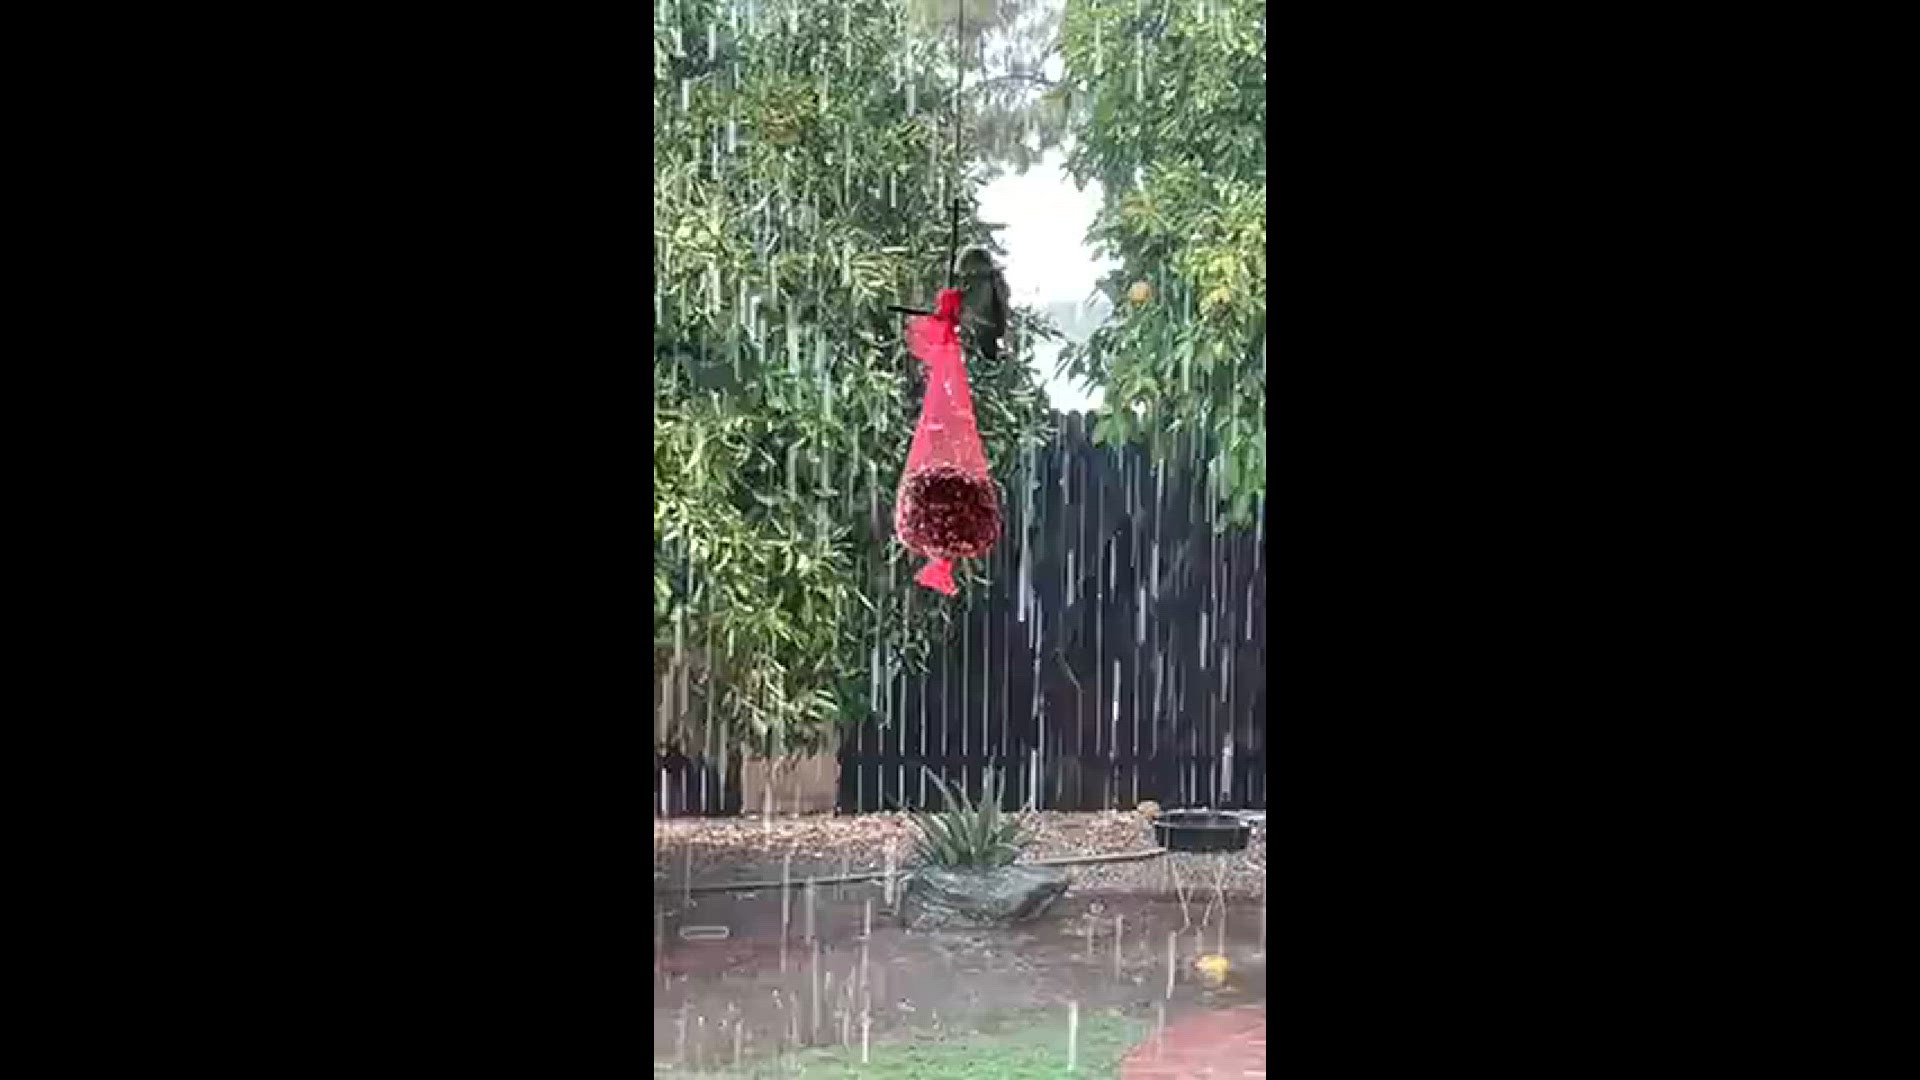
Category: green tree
<point>1012,113</point>
<point>1174,129</point>
<point>803,172</point>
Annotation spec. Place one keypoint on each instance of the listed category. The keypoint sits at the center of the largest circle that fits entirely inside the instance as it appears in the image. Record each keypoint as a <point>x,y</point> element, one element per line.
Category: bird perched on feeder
<point>983,300</point>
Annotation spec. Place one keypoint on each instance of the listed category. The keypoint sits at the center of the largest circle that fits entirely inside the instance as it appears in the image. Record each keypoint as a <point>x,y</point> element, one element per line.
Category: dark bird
<point>983,300</point>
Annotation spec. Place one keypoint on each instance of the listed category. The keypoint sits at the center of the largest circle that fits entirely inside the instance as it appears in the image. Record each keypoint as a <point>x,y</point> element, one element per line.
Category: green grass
<point>1032,1052</point>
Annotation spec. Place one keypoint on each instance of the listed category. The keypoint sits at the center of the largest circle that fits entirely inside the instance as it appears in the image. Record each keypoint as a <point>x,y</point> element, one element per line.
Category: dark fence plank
<point>1121,645</point>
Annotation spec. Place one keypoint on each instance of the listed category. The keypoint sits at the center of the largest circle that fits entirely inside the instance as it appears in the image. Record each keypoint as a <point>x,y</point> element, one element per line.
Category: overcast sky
<point>1048,263</point>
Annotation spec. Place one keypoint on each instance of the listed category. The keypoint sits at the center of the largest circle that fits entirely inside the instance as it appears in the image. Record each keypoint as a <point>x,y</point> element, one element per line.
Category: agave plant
<point>967,835</point>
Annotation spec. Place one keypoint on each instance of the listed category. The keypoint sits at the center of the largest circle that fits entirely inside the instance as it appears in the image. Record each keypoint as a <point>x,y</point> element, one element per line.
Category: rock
<point>934,898</point>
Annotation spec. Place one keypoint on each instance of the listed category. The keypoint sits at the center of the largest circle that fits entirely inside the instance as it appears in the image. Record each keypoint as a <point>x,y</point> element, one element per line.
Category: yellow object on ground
<point>1213,968</point>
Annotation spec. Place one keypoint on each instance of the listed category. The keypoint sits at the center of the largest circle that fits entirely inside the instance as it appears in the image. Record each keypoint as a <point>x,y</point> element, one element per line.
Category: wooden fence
<point>1119,655</point>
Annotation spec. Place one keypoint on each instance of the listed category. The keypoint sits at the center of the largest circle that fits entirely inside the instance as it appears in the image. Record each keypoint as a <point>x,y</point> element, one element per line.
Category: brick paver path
<point>1218,1044</point>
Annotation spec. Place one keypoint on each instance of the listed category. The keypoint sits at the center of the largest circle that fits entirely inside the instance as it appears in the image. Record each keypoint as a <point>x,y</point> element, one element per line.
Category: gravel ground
<point>721,850</point>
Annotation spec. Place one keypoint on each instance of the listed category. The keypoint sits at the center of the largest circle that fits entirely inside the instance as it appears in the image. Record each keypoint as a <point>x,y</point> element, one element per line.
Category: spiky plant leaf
<point>968,834</point>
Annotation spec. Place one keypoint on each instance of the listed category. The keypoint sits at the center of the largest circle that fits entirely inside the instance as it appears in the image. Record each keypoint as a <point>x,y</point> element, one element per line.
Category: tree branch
<point>1014,75</point>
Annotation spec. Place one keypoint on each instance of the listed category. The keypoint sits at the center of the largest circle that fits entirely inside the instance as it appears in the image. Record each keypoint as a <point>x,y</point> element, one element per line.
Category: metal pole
<point>959,81</point>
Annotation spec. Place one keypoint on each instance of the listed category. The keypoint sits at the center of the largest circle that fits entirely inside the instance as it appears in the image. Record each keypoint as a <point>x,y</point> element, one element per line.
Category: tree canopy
<point>805,163</point>
<point>1171,120</point>
<point>1163,103</point>
<point>803,172</point>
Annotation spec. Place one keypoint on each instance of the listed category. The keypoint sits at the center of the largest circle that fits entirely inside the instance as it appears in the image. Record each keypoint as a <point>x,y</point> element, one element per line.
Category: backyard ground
<point>960,1003</point>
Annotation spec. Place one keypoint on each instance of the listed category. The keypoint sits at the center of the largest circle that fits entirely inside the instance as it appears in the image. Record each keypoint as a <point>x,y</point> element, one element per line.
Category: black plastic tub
<point>1201,830</point>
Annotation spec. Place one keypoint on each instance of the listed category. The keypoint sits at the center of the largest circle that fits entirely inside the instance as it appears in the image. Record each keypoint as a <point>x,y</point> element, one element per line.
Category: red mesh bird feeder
<point>948,507</point>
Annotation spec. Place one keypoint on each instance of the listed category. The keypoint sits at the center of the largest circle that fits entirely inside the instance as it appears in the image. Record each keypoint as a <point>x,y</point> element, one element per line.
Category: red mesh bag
<point>948,507</point>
